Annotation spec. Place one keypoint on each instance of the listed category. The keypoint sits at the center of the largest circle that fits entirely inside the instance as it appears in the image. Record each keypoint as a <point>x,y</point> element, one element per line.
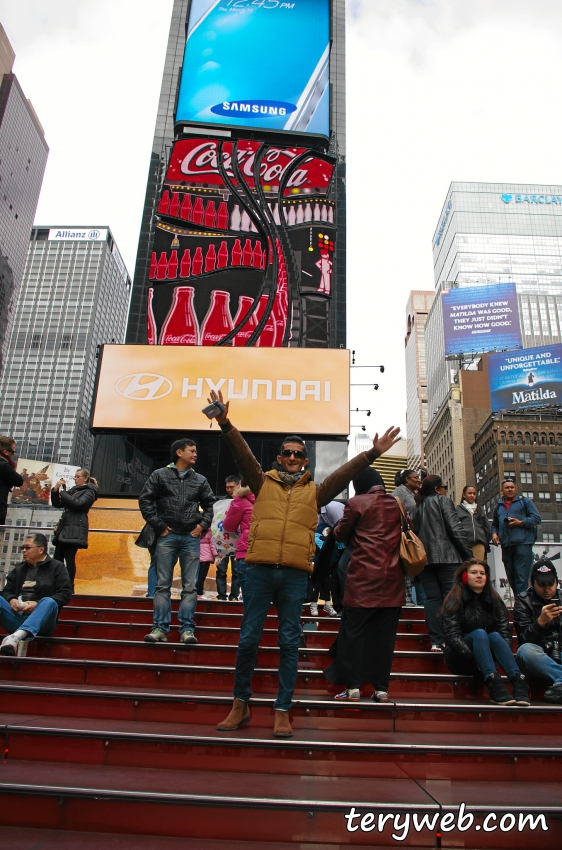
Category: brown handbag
<point>412,552</point>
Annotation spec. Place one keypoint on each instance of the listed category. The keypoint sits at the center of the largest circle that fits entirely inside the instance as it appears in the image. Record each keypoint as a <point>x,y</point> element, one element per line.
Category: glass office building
<point>74,297</point>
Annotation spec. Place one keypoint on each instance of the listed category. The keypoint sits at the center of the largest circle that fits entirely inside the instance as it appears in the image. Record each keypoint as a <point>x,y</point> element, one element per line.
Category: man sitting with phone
<point>536,618</point>
<point>281,549</point>
<point>36,590</point>
<point>514,528</point>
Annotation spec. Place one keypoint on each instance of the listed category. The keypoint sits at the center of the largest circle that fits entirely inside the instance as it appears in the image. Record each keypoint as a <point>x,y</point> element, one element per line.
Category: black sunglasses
<point>298,454</point>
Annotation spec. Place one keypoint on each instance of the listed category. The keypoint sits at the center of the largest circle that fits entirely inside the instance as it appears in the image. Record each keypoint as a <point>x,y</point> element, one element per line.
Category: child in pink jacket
<point>238,518</point>
<point>207,556</point>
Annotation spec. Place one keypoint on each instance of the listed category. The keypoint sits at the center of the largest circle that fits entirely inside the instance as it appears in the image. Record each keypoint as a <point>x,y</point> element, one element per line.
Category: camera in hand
<point>214,409</point>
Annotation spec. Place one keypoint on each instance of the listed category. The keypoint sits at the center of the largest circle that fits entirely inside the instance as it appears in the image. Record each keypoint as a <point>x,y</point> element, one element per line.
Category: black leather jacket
<point>527,610</point>
<point>437,525</point>
<point>8,478</point>
<point>476,525</point>
<point>73,528</point>
<point>477,611</point>
<point>167,500</point>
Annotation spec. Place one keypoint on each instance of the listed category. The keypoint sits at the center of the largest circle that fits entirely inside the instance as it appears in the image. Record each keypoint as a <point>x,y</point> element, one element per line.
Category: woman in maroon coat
<point>374,590</point>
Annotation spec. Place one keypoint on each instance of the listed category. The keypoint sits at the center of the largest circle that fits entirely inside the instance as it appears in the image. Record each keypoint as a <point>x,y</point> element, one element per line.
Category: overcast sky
<point>437,91</point>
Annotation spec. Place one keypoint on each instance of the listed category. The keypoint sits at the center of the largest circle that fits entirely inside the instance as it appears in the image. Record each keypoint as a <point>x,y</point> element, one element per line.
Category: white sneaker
<point>9,645</point>
<point>313,609</point>
<point>330,610</point>
<point>203,596</point>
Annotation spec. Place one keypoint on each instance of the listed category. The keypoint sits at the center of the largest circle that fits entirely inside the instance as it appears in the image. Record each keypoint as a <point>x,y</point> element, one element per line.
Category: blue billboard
<point>528,378</point>
<point>259,64</point>
<point>481,318</point>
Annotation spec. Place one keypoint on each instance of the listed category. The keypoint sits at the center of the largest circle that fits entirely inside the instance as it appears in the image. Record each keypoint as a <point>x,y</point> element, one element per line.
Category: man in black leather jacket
<point>170,503</point>
<point>536,617</point>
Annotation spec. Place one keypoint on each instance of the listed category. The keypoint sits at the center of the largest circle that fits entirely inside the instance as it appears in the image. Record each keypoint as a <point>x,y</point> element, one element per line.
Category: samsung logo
<point>256,108</point>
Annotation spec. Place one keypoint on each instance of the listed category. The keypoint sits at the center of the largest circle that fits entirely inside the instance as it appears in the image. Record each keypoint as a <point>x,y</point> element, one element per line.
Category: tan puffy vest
<point>284,520</point>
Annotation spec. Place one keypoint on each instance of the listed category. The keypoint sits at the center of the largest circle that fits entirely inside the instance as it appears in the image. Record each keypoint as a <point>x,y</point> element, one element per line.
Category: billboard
<point>259,64</point>
<point>481,318</point>
<point>78,234</point>
<point>38,478</point>
<point>243,246</point>
<point>528,378</point>
<point>304,391</point>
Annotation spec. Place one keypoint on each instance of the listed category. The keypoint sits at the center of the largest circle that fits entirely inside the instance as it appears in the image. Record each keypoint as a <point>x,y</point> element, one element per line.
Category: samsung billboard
<point>528,378</point>
<point>481,318</point>
<point>257,64</point>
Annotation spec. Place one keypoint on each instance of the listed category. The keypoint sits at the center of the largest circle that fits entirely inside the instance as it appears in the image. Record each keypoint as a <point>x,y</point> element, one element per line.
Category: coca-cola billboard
<point>244,238</point>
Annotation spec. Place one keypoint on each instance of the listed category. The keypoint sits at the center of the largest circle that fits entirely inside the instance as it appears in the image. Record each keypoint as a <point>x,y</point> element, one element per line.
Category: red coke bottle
<point>164,204</point>
<point>186,207</point>
<point>243,335</point>
<point>197,265</point>
<point>180,327</point>
<point>152,272</point>
<point>247,253</point>
<point>198,212</point>
<point>210,214</point>
<point>172,272</point>
<point>210,259</point>
<point>162,266</point>
<point>267,336</point>
<point>236,258</point>
<point>218,322</point>
<point>185,264</point>
<point>151,328</point>
<point>256,256</point>
<point>175,205</point>
<point>222,257</point>
<point>222,216</point>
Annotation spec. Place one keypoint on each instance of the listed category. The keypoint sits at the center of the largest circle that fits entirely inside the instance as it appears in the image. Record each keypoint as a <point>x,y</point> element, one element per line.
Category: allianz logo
<point>532,199</point>
<point>257,108</point>
<point>147,386</point>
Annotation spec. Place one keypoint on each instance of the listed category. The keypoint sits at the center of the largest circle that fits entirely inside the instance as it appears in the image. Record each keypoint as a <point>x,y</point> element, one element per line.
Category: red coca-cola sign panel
<point>197,161</point>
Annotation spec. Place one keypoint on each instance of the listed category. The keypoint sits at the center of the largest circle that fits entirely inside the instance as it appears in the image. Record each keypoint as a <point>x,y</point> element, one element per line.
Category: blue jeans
<point>486,647</point>
<point>286,588</point>
<point>241,572</point>
<point>41,621</point>
<point>168,550</point>
<point>437,580</point>
<point>534,662</point>
<point>152,579</point>
<point>222,570</point>
<point>518,561</point>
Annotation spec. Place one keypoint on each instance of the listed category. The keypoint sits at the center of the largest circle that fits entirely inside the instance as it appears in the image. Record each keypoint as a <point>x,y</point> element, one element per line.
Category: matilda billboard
<point>528,378</point>
<point>260,64</point>
<point>481,318</point>
<point>289,390</point>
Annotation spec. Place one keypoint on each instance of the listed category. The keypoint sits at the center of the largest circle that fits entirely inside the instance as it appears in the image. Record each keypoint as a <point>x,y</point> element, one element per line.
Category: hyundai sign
<point>528,378</point>
<point>481,318</point>
<point>260,64</point>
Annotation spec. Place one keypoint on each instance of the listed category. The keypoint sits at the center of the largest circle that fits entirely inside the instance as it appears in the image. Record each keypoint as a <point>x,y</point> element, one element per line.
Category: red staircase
<point>111,743</point>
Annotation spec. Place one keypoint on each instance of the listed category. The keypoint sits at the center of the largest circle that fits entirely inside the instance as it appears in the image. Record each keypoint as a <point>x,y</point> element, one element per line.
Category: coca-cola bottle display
<point>222,256</point>
<point>185,211</point>
<point>151,329</point>
<point>235,218</point>
<point>175,205</point>
<point>198,212</point>
<point>281,304</point>
<point>222,216</point>
<point>210,259</point>
<point>164,204</point>
<point>210,214</point>
<point>247,253</point>
<point>152,271</point>
<point>267,337</point>
<point>172,271</point>
<point>245,304</point>
<point>185,264</point>
<point>236,257</point>
<point>162,266</point>
<point>256,256</point>
<point>180,327</point>
<point>218,322</point>
<point>197,265</point>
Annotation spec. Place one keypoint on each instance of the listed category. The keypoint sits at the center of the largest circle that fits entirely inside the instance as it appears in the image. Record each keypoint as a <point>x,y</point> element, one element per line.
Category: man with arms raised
<point>281,549</point>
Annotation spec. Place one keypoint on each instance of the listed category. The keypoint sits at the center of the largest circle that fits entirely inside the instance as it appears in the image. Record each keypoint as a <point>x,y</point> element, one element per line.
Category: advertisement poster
<point>481,318</point>
<point>528,378</point>
<point>37,482</point>
<point>260,64</point>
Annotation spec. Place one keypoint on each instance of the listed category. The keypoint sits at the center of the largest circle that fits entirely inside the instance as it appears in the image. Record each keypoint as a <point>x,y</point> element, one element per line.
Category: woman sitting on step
<point>477,633</point>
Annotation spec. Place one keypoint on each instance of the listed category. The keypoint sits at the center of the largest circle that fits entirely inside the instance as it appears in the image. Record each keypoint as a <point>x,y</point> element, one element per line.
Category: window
<point>524,457</point>
<point>544,496</point>
<point>526,478</point>
<point>557,459</point>
<point>542,477</point>
<point>557,478</point>
<point>509,474</point>
<point>558,497</point>
<point>541,458</point>
<point>507,455</point>
<point>547,537</point>
<point>527,494</point>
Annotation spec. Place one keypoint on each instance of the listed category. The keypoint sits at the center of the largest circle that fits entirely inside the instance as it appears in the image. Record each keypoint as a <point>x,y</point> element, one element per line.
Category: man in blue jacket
<point>514,525</point>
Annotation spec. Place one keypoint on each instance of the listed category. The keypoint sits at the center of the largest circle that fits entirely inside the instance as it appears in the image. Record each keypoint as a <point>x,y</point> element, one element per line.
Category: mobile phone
<point>214,409</point>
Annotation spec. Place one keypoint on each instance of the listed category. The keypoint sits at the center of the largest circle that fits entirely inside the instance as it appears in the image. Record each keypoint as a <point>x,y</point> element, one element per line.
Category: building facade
<point>74,297</point>
<point>23,157</point>
<point>417,311</point>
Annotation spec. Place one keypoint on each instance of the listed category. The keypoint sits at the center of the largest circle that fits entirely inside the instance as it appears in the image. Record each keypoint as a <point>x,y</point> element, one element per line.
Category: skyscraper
<point>417,310</point>
<point>74,297</point>
<point>164,137</point>
<point>23,156</point>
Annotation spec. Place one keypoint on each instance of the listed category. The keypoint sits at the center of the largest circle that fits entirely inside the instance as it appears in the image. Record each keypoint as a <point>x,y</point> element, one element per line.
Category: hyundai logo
<point>93,234</point>
<point>144,386</point>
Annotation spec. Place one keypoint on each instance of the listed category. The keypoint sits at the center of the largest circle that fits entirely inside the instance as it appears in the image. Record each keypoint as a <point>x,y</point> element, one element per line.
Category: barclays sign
<point>532,199</point>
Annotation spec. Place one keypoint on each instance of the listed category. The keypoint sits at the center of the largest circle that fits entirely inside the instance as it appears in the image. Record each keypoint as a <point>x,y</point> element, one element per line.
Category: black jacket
<point>8,478</point>
<point>73,529</point>
<point>52,580</point>
<point>169,500</point>
<point>476,525</point>
<point>477,611</point>
<point>437,525</point>
<point>527,610</point>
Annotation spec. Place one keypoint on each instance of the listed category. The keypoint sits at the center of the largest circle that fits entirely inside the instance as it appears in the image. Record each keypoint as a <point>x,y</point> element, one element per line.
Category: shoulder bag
<point>412,552</point>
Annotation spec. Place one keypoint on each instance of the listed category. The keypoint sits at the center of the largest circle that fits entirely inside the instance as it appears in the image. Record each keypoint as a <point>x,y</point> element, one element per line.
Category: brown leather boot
<point>282,727</point>
<point>239,715</point>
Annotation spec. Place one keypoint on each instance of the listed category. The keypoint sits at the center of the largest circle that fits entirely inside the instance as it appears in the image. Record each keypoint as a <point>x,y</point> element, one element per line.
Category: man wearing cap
<point>536,617</point>
<point>514,528</point>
